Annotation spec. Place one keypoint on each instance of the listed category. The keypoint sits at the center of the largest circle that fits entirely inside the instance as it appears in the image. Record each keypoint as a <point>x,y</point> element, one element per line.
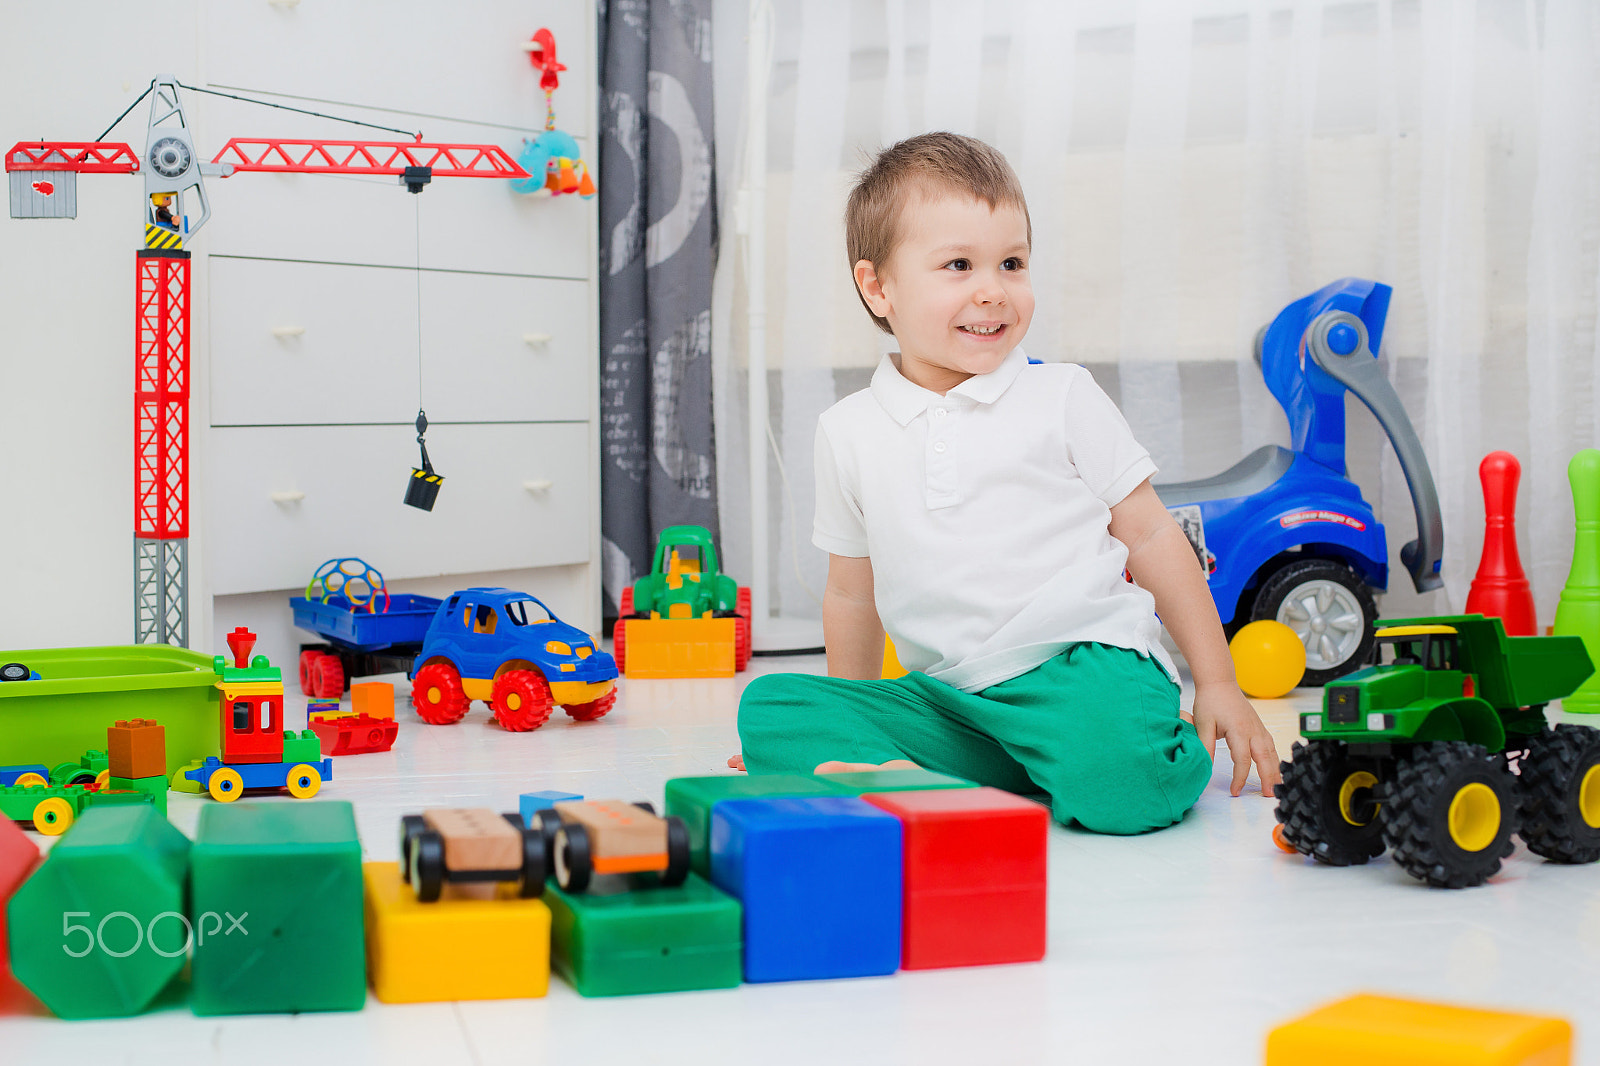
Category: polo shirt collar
<point>904,400</point>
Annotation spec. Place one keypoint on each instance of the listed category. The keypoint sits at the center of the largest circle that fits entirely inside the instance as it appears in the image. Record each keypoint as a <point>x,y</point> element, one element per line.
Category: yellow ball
<point>1268,659</point>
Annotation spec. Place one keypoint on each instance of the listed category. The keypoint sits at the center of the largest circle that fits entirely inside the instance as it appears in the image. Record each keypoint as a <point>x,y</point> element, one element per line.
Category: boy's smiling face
<point>955,289</point>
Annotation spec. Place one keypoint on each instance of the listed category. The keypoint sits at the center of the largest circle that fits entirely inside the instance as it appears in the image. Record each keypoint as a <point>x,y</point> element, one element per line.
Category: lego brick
<point>613,940</point>
<point>974,874</point>
<point>819,878</point>
<point>692,798</point>
<point>1382,1031</point>
<point>375,698</point>
<point>98,930</point>
<point>474,942</point>
<point>476,838</point>
<point>137,748</point>
<point>864,781</point>
<point>302,747</point>
<point>353,734</point>
<point>317,710</point>
<point>156,787</point>
<point>681,647</point>
<point>530,803</point>
<point>291,872</point>
<point>18,856</point>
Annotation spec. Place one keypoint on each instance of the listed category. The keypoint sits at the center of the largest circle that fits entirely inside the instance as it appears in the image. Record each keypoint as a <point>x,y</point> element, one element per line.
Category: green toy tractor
<point>1439,751</point>
<point>685,583</point>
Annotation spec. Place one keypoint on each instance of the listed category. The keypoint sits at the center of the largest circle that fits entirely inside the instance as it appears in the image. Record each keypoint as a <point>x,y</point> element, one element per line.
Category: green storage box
<point>83,691</point>
<point>276,902</point>
<point>615,941</point>
<point>98,930</point>
<point>691,798</point>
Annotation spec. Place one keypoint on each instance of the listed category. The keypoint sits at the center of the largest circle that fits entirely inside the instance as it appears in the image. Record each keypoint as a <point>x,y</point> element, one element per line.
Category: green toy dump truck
<point>684,587</point>
<point>1439,751</point>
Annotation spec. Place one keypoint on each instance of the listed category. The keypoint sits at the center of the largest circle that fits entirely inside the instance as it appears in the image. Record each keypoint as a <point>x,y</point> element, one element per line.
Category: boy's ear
<point>871,287</point>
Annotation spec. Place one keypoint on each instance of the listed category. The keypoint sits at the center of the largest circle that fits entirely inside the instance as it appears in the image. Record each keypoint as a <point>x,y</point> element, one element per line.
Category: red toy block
<point>974,876</point>
<point>137,748</point>
<point>18,857</point>
<point>354,734</point>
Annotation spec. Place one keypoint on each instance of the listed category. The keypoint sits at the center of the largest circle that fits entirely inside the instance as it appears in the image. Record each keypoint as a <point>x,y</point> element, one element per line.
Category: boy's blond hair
<point>927,163</point>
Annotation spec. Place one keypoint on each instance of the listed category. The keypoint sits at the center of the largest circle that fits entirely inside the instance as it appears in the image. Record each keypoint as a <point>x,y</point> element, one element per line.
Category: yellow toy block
<point>680,647</point>
<point>475,942</point>
<point>891,661</point>
<point>1380,1031</point>
<point>375,698</point>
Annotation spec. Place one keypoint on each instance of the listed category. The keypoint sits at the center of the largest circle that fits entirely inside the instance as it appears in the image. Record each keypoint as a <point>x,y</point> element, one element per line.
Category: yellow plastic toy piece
<point>1268,659</point>
<point>1413,631</point>
<point>1381,1031</point>
<point>29,780</point>
<point>891,661</point>
<point>681,647</point>
<point>52,817</point>
<point>226,785</point>
<point>474,942</point>
<point>304,781</point>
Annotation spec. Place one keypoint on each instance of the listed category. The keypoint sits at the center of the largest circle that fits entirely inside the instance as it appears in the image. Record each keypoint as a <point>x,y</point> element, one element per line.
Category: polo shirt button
<point>940,411</point>
<point>939,447</point>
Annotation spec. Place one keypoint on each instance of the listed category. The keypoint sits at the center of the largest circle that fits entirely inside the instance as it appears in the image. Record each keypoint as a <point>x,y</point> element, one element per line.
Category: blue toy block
<point>531,803</point>
<point>256,774</point>
<point>820,881</point>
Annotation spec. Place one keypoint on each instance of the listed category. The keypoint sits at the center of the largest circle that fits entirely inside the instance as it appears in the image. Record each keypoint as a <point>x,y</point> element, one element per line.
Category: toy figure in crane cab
<point>161,211</point>
<point>1285,533</point>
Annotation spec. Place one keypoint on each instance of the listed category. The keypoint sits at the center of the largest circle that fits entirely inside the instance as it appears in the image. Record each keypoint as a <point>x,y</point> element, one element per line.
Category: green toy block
<point>304,746</point>
<point>276,902</point>
<point>856,784</point>
<point>691,798</point>
<point>99,930</point>
<point>614,941</point>
<point>154,787</point>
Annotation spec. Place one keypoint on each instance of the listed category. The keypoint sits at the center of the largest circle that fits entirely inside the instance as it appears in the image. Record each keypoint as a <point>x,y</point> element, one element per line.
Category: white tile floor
<point>1184,946</point>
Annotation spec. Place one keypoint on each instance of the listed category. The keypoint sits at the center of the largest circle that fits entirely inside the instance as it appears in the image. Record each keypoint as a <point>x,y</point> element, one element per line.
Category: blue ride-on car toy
<point>509,650</point>
<point>1285,534</point>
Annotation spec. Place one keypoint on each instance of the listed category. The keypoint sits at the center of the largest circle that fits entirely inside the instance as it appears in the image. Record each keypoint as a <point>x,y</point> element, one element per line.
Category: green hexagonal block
<point>275,897</point>
<point>99,929</point>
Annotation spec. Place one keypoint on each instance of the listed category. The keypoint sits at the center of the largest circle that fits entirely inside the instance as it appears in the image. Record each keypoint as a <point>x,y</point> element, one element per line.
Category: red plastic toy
<point>354,734</point>
<point>1500,588</point>
<point>18,857</point>
<point>974,876</point>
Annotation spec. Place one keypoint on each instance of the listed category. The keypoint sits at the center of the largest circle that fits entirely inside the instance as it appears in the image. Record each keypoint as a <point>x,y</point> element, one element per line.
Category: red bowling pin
<point>1500,588</point>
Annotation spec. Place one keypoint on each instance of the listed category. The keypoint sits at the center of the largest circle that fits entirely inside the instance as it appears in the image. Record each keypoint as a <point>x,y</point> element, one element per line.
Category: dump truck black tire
<point>1310,808</point>
<point>1420,826</point>
<point>1553,799</point>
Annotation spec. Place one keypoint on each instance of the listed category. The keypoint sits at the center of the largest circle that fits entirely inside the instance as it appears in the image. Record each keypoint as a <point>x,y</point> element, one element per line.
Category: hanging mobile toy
<point>552,157</point>
<point>423,488</point>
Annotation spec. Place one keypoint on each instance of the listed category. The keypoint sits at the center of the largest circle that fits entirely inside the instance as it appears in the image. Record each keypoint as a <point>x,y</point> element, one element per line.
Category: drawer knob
<point>292,496</point>
<point>288,331</point>
<point>537,340</point>
<point>539,485</point>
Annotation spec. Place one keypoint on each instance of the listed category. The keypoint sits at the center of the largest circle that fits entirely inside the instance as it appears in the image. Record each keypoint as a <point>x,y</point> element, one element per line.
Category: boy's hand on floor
<point>1221,711</point>
<point>736,762</point>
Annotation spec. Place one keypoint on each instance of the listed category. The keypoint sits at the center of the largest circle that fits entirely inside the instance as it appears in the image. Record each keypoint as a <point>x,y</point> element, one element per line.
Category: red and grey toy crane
<point>43,184</point>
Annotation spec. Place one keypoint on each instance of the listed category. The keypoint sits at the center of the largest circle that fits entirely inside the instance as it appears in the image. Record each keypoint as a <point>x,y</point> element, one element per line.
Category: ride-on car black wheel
<point>427,866</point>
<point>1330,609</point>
<point>1328,804</point>
<point>573,863</point>
<point>677,871</point>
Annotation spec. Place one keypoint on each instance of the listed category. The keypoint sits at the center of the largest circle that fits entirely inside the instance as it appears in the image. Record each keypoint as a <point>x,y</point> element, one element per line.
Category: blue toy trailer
<point>357,642</point>
<point>1285,534</point>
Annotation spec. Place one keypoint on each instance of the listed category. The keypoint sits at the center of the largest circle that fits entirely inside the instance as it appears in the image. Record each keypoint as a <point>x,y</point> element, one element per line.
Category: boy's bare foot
<point>736,762</point>
<point>836,767</point>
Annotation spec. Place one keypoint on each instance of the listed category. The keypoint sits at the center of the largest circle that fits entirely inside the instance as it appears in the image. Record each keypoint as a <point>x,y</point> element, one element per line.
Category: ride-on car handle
<point>1357,370</point>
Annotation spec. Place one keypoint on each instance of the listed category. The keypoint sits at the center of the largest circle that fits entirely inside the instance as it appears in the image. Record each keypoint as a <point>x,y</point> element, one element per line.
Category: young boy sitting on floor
<point>982,510</point>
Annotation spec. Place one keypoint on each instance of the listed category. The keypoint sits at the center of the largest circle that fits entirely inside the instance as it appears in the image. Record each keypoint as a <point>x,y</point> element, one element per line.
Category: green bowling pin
<point>1579,610</point>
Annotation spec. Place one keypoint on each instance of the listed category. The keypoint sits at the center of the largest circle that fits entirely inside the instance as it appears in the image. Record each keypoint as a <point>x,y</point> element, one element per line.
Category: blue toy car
<point>1285,534</point>
<point>508,649</point>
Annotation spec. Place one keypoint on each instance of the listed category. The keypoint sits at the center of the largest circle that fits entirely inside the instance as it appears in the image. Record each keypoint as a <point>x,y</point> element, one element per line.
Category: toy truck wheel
<point>1326,804</point>
<point>619,644</point>
<point>410,826</point>
<point>1559,794</point>
<point>304,781</point>
<point>548,823</point>
<point>437,695</point>
<point>1451,813</point>
<point>308,661</point>
<point>646,806</point>
<point>426,870</point>
<point>742,647</point>
<point>677,871</point>
<point>14,672</point>
<point>53,816</point>
<point>521,700</point>
<point>327,676</point>
<point>531,883</point>
<point>30,780</point>
<point>226,785</point>
<point>1329,607</point>
<point>574,864</point>
<point>594,709</point>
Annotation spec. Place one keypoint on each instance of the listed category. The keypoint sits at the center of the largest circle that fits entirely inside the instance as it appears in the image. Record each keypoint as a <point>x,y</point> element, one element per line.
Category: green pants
<point>1096,729</point>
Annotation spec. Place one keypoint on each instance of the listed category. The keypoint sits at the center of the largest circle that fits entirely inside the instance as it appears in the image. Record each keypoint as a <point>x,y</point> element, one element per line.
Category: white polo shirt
<point>986,514</point>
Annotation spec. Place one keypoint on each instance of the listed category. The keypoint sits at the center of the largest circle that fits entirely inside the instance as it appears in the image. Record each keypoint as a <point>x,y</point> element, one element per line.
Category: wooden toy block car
<point>476,844</point>
<point>612,837</point>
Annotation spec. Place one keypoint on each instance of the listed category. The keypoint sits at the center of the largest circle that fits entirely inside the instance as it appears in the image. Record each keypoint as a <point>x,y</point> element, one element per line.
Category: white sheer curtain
<point>1191,167</point>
